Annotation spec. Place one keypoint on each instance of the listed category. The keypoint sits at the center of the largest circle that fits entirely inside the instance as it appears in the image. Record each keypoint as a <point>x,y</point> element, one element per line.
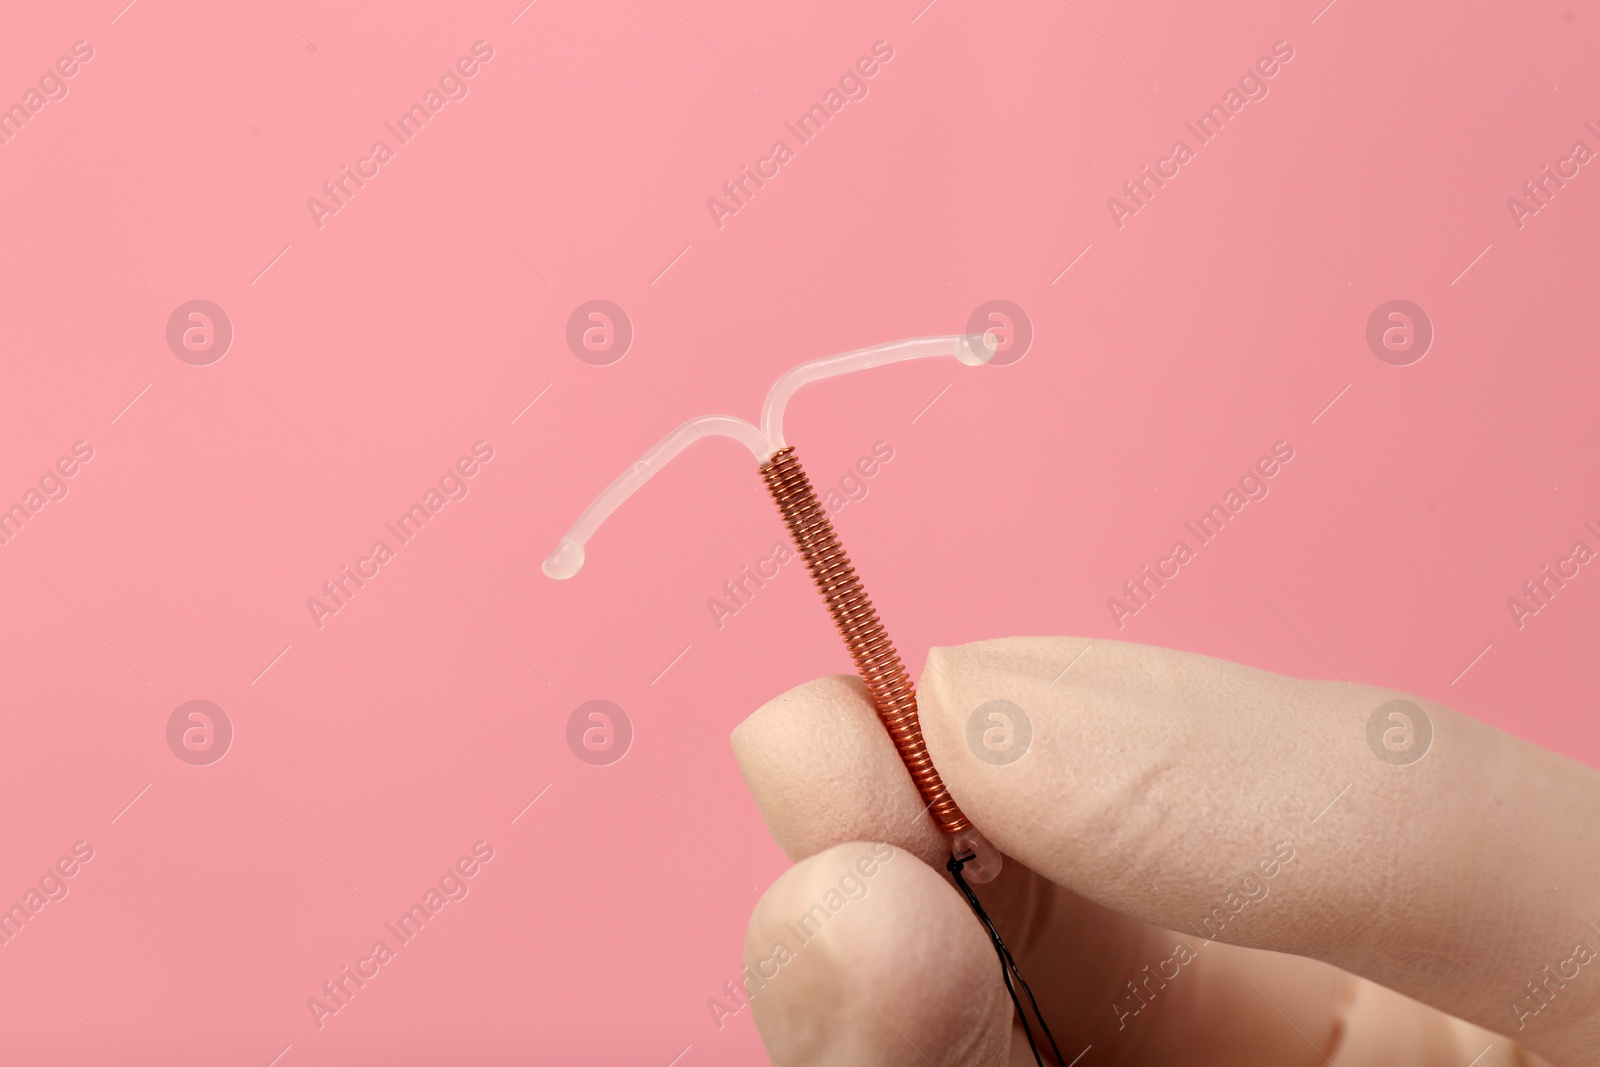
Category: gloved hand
<point>1206,864</point>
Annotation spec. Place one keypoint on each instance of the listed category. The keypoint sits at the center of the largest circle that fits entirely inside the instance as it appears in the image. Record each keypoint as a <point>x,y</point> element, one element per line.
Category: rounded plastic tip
<point>976,349</point>
<point>983,860</point>
<point>565,561</point>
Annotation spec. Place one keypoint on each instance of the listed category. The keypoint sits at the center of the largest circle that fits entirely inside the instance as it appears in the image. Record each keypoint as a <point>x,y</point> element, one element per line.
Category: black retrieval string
<point>1008,966</point>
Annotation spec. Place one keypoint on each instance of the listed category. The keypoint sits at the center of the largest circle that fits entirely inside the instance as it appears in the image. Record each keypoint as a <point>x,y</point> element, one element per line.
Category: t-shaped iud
<point>972,857</point>
<point>874,654</point>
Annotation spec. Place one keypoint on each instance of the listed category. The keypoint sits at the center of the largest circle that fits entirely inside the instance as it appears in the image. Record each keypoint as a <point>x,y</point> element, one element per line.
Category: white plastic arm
<point>972,349</point>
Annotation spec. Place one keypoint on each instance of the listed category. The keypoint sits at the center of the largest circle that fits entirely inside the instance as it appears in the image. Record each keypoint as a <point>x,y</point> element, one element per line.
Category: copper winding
<point>893,695</point>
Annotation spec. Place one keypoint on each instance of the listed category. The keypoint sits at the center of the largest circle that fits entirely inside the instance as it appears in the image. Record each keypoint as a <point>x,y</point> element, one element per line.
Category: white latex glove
<point>1361,909</point>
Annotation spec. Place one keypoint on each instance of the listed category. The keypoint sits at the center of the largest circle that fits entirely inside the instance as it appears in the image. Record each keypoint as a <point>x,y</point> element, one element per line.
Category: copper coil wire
<point>893,695</point>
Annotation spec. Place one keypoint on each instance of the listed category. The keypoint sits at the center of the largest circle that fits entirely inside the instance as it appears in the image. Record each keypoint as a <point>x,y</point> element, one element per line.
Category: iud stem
<point>876,659</point>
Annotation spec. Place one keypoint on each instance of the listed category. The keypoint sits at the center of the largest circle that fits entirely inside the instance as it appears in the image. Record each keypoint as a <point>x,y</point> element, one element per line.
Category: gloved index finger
<point>1382,833</point>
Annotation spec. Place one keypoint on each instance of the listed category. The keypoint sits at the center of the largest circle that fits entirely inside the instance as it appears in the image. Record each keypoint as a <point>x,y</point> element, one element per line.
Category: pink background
<point>369,754</point>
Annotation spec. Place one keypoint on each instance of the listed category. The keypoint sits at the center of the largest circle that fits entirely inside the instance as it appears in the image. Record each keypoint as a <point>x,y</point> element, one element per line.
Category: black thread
<point>1008,965</point>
